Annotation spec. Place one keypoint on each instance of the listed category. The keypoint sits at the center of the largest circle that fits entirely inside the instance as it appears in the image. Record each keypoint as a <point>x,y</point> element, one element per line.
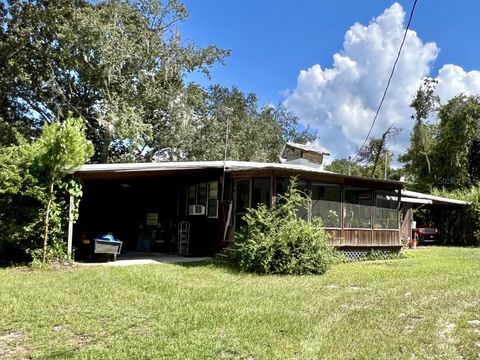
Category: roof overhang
<point>112,171</point>
<point>411,200</point>
<point>421,198</point>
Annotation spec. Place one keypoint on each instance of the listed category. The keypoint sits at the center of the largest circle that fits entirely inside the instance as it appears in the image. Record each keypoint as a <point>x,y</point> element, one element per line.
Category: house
<point>303,154</point>
<point>195,207</point>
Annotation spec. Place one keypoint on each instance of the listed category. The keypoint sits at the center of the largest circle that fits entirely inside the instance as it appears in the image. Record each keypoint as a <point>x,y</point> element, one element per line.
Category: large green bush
<point>278,241</point>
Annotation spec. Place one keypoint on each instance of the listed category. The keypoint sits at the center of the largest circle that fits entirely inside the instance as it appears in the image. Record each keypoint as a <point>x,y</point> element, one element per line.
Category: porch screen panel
<point>261,192</point>
<point>358,209</point>
<point>241,201</point>
<point>386,213</point>
<point>302,186</point>
<point>326,204</point>
<point>282,185</point>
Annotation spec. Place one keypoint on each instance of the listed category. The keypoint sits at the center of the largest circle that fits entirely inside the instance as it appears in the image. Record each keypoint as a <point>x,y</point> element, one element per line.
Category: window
<point>212,204</point>
<point>205,194</point>
<point>386,213</point>
<point>326,204</point>
<point>358,209</point>
<point>202,194</point>
<point>192,195</point>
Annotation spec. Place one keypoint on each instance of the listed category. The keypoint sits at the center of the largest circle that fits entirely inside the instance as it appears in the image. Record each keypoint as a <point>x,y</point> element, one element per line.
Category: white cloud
<point>453,80</point>
<point>341,101</point>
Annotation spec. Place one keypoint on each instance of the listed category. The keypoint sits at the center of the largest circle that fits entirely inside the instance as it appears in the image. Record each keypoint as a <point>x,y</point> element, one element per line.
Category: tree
<point>253,134</point>
<point>61,149</point>
<point>374,153</point>
<point>418,158</point>
<point>457,149</point>
<point>119,65</point>
<point>347,167</point>
<point>21,202</point>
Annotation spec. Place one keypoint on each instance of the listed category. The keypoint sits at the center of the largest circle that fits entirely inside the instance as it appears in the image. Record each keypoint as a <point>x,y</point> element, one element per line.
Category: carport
<point>435,208</point>
<point>144,204</point>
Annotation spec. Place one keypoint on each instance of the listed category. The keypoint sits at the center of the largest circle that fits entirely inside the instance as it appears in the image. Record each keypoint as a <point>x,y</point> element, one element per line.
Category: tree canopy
<point>444,147</point>
<point>121,66</point>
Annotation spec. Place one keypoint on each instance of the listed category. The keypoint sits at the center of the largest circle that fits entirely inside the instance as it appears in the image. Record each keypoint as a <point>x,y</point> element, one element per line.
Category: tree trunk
<point>47,220</point>
<point>428,164</point>
<point>377,156</point>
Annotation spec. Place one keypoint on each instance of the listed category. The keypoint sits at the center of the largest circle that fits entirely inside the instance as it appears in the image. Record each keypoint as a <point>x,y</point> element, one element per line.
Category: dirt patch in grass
<point>446,331</point>
<point>79,341</point>
<point>10,346</point>
<point>235,355</point>
<point>412,322</point>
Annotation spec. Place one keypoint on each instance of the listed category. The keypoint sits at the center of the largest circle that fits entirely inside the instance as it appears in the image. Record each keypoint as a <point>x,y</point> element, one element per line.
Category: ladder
<point>183,237</point>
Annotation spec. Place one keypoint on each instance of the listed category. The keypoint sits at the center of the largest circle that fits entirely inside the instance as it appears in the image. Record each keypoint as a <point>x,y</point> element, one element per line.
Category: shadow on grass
<point>4,264</point>
<point>212,263</point>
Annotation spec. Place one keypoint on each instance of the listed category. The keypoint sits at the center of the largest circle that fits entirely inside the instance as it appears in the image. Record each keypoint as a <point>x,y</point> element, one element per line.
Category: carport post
<point>70,228</point>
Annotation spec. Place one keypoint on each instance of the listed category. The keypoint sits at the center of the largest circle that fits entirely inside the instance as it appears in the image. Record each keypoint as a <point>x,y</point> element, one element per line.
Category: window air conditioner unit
<point>196,210</point>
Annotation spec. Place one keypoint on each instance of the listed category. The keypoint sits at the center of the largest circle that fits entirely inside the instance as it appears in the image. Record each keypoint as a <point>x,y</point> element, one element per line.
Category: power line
<point>389,79</point>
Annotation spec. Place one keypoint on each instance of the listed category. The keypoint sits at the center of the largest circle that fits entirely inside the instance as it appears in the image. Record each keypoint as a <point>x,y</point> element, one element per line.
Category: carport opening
<point>145,213</point>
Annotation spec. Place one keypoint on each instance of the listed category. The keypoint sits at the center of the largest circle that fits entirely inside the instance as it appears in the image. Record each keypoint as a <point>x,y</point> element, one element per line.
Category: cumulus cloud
<point>453,80</point>
<point>340,101</point>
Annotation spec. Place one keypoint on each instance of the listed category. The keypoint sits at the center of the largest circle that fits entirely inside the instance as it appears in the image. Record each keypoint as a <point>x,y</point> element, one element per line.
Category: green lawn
<point>424,306</point>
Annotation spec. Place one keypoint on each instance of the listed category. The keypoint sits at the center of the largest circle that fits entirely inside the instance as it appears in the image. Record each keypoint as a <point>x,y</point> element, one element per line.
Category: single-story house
<point>195,207</point>
<point>145,204</point>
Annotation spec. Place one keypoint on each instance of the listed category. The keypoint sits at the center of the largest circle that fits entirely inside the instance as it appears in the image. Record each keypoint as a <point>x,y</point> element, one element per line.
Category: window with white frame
<point>212,203</point>
<point>205,194</point>
<point>202,194</point>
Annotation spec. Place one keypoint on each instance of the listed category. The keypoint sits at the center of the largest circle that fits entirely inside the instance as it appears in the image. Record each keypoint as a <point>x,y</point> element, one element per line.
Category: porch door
<point>242,201</point>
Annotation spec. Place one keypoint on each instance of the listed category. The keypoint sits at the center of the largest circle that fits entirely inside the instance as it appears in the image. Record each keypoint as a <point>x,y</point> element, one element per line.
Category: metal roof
<point>186,165</point>
<point>230,166</point>
<point>432,199</point>
<point>409,200</point>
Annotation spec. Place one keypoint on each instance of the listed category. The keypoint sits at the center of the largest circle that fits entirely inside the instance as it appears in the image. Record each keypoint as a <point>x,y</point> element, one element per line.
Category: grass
<point>423,306</point>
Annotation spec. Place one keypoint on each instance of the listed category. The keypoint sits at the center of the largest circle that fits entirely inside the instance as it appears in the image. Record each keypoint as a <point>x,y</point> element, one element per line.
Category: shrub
<point>34,188</point>
<point>21,204</point>
<point>278,241</point>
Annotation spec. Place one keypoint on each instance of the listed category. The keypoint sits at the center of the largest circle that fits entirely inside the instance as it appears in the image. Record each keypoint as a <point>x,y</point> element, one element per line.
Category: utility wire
<point>389,79</point>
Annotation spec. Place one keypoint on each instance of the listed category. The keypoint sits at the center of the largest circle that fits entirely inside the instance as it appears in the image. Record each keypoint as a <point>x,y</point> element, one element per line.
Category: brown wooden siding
<point>364,237</point>
<point>406,222</point>
<point>386,237</point>
<point>335,236</point>
<point>294,154</point>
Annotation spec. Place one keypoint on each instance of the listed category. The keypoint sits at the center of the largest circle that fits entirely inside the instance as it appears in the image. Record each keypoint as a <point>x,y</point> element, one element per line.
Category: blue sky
<point>273,41</point>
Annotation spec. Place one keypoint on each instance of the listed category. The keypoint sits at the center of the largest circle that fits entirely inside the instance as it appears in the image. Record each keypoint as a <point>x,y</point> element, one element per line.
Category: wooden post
<point>273,191</point>
<point>70,228</point>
